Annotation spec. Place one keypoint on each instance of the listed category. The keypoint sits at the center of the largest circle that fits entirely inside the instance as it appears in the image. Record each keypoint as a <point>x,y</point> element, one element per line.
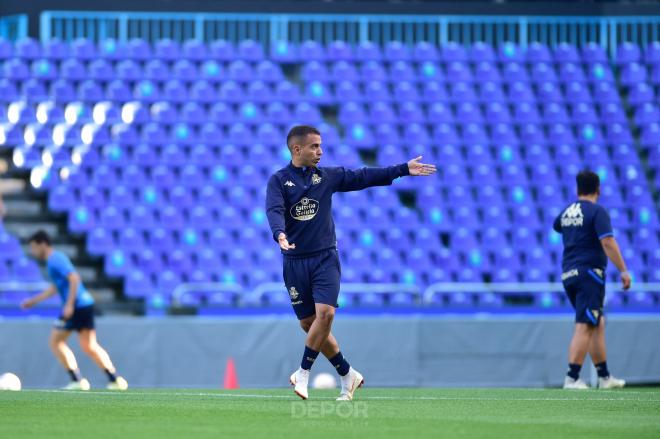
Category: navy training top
<point>299,201</point>
<point>582,225</point>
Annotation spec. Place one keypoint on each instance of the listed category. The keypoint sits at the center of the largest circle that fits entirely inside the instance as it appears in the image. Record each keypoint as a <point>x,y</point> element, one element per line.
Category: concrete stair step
<point>24,230</point>
<point>10,185</point>
<point>23,208</point>
<point>70,250</point>
<point>102,295</point>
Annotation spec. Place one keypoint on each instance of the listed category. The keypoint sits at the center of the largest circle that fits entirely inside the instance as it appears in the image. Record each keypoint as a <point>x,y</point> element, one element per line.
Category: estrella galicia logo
<point>305,209</point>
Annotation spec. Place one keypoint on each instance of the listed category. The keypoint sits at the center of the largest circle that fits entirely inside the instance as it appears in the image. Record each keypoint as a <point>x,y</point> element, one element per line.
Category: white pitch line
<point>122,393</point>
<point>360,398</point>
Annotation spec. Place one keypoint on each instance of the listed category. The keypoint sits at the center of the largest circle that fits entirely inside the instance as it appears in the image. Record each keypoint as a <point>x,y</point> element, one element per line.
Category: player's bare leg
<point>64,355</point>
<point>597,348</point>
<point>320,328</point>
<point>579,346</point>
<point>351,379</point>
<point>330,347</point>
<point>577,351</point>
<point>91,347</point>
<point>598,354</point>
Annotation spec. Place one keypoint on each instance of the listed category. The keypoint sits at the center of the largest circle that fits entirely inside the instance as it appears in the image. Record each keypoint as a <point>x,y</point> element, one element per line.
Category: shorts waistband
<point>309,255</point>
<point>573,272</point>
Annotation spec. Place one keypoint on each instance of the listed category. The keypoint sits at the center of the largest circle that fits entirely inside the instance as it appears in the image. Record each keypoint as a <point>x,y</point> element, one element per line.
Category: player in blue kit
<point>299,210</point>
<point>588,239</point>
<point>77,315</point>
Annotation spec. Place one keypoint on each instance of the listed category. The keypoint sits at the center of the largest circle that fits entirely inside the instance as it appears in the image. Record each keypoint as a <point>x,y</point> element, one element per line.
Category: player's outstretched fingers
<point>428,169</point>
<point>420,169</point>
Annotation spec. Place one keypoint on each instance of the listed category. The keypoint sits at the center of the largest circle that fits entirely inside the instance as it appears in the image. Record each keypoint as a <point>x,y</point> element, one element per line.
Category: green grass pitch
<point>375,413</point>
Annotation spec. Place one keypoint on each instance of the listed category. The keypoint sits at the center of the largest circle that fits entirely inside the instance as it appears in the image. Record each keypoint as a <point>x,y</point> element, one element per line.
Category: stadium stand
<point>158,155</point>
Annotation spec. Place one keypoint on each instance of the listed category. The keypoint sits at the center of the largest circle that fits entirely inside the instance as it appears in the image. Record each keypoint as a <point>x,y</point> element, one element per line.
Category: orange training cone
<point>231,379</point>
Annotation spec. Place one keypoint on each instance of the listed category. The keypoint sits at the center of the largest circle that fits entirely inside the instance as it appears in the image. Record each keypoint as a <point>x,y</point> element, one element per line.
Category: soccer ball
<point>324,381</point>
<point>9,381</point>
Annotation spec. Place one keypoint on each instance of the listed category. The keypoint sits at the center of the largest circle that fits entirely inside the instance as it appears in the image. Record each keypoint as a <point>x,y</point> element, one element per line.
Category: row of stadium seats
<point>461,113</point>
<point>358,134</point>
<point>159,71</point>
<point>165,49</point>
<point>268,71</point>
<point>204,91</point>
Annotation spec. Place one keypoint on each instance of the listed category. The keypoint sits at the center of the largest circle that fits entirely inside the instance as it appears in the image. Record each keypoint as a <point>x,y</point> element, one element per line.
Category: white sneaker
<point>350,382</point>
<point>611,383</point>
<point>83,384</point>
<point>570,383</point>
<point>299,381</point>
<point>119,384</point>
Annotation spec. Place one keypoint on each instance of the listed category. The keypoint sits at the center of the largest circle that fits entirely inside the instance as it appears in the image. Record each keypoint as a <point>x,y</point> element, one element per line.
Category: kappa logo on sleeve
<point>289,183</point>
<point>305,209</point>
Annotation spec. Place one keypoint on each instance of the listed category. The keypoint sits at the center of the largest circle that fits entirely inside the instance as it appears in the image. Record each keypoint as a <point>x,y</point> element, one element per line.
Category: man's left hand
<point>420,169</point>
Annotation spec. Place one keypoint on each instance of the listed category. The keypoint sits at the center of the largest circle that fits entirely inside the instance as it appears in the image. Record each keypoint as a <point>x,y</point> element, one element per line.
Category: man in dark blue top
<point>77,315</point>
<point>299,210</point>
<point>588,241</point>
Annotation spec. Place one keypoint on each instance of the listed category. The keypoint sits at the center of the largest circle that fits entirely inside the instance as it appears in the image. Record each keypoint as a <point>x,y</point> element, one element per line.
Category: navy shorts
<point>585,288</point>
<point>82,318</point>
<point>311,280</point>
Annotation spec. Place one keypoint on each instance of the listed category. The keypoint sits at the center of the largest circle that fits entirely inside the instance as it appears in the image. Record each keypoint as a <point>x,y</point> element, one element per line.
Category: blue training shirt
<point>299,201</point>
<point>582,225</point>
<point>59,266</point>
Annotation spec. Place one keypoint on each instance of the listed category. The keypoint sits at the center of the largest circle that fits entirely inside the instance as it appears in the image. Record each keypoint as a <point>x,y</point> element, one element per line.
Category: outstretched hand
<point>27,303</point>
<point>420,169</point>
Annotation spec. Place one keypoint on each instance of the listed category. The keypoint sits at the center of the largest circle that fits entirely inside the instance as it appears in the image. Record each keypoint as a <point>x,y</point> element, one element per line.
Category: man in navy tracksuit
<point>299,210</point>
<point>588,239</point>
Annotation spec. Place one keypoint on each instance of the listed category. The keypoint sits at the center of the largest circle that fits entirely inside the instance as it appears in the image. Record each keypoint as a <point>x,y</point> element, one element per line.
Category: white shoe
<point>611,383</point>
<point>570,383</point>
<point>119,384</point>
<point>299,381</point>
<point>83,384</point>
<point>350,382</point>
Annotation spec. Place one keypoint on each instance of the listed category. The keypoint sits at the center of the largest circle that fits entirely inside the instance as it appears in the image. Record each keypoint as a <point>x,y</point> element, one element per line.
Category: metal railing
<point>13,27</point>
<point>352,28</point>
<point>422,295</point>
<point>515,287</point>
<point>207,287</point>
<point>347,287</point>
<point>23,286</point>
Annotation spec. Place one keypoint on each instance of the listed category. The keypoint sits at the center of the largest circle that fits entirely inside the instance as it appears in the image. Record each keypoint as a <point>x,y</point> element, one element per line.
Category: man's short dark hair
<point>588,182</point>
<point>40,237</point>
<point>300,131</point>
